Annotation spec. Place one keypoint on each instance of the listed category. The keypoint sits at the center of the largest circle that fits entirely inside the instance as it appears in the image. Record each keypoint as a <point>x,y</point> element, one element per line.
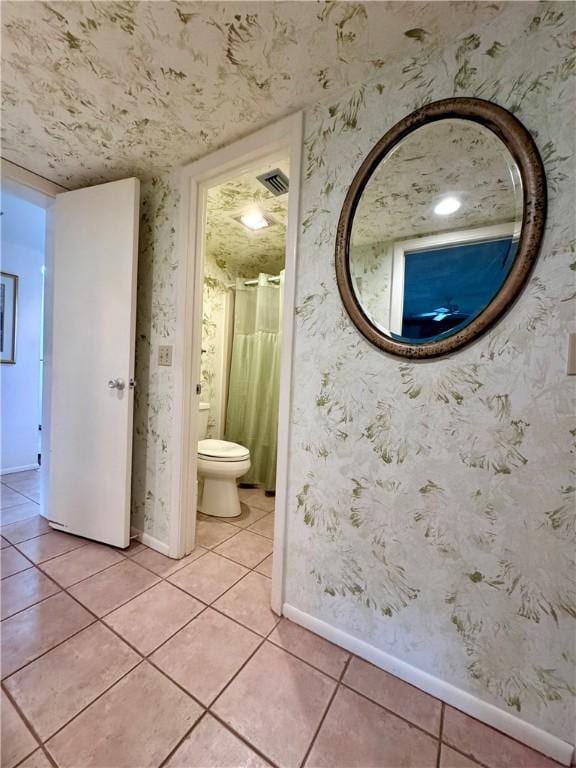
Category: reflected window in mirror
<point>461,280</point>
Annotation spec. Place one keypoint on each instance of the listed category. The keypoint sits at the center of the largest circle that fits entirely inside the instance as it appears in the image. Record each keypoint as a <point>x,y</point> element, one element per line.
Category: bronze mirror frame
<point>523,149</point>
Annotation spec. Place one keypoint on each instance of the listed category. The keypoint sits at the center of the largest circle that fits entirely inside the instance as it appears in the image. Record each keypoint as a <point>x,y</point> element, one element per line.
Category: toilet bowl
<point>220,464</point>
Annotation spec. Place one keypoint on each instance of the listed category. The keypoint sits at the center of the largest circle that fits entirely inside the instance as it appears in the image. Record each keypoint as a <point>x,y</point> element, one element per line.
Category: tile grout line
<point>147,658</point>
<point>22,520</point>
<point>179,743</point>
<point>96,619</point>
<point>243,739</point>
<point>485,765</point>
<point>411,723</point>
<point>12,546</point>
<point>60,554</point>
<point>36,602</point>
<point>9,507</point>
<point>230,520</point>
<point>19,503</point>
<point>56,645</point>
<point>23,541</point>
<point>27,723</point>
<point>247,530</point>
<point>81,711</point>
<point>80,581</point>
<point>28,498</point>
<point>326,710</point>
<point>47,755</point>
<point>230,559</point>
<point>220,693</point>
<point>16,573</point>
<point>438,756</point>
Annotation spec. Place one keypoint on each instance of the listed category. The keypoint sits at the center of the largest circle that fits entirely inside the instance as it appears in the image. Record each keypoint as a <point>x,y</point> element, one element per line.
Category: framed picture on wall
<point>8,300</point>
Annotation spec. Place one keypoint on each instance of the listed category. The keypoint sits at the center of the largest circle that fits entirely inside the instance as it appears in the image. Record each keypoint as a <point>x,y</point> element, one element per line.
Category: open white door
<point>89,360</point>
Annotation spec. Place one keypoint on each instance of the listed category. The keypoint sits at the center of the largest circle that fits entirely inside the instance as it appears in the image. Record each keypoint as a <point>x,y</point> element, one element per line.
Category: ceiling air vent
<point>275,181</point>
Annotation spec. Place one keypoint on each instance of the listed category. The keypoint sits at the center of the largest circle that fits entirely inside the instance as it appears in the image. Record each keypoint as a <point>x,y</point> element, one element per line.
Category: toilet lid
<point>222,450</point>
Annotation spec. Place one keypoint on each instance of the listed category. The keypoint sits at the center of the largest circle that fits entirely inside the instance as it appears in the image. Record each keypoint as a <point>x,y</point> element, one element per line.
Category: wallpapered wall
<point>155,324</point>
<point>430,504</point>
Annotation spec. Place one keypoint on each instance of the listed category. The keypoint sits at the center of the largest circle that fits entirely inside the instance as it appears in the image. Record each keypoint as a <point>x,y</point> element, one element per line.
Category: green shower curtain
<point>252,412</point>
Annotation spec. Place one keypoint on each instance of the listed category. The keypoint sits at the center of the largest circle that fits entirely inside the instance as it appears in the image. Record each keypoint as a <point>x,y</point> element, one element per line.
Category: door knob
<point>116,384</point>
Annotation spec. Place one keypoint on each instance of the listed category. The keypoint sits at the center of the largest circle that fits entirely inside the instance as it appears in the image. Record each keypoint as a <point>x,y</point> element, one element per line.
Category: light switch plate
<point>571,354</point>
<point>165,354</point>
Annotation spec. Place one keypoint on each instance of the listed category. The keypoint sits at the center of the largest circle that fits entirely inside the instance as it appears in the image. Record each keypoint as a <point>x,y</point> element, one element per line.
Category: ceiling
<point>236,250</point>
<point>448,158</point>
<point>94,91</point>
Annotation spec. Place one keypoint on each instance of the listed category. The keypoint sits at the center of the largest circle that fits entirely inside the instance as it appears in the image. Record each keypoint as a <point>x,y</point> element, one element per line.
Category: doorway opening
<point>243,282</point>
<point>239,226</point>
<point>88,382</point>
<point>23,240</point>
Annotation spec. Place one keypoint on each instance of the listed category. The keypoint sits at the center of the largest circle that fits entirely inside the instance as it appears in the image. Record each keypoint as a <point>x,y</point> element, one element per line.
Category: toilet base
<point>220,493</point>
<point>220,497</point>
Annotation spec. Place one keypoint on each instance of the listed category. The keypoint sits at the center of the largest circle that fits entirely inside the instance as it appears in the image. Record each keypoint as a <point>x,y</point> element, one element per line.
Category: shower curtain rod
<point>255,282</point>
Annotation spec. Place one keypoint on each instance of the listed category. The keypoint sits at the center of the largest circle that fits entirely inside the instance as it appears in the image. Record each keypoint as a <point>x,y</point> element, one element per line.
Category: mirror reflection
<point>436,230</point>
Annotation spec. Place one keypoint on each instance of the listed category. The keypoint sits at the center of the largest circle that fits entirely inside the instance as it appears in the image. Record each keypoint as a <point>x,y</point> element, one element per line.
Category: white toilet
<point>220,464</point>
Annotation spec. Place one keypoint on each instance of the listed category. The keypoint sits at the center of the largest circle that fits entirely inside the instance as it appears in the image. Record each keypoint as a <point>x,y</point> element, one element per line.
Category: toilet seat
<point>222,450</point>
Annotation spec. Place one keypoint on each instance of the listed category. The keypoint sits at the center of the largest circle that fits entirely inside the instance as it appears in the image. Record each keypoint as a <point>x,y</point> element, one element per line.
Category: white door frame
<point>41,192</point>
<point>196,178</point>
<point>29,186</point>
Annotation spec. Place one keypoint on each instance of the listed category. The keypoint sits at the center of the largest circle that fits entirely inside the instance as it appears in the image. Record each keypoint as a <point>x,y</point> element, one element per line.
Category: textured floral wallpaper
<point>95,91</point>
<point>432,503</point>
<point>155,323</point>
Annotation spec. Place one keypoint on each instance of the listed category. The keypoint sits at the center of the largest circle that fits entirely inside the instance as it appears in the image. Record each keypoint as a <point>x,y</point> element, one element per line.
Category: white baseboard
<point>150,541</point>
<point>25,468</point>
<point>488,713</point>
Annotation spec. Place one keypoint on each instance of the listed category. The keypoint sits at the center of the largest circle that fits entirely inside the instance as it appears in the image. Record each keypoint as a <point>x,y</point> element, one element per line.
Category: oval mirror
<point>441,227</point>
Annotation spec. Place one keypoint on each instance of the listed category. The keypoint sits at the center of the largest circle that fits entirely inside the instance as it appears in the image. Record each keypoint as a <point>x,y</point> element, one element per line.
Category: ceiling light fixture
<point>447,206</point>
<point>254,220</point>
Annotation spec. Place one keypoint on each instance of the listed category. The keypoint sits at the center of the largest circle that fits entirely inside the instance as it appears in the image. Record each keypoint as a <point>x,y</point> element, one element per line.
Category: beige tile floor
<point>127,659</point>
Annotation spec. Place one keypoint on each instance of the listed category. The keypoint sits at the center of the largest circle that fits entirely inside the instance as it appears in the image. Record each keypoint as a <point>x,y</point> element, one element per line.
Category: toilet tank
<point>204,409</point>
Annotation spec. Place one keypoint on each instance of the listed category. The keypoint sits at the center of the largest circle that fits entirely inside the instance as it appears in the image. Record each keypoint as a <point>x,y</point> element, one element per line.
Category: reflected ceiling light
<point>254,220</point>
<point>447,206</point>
